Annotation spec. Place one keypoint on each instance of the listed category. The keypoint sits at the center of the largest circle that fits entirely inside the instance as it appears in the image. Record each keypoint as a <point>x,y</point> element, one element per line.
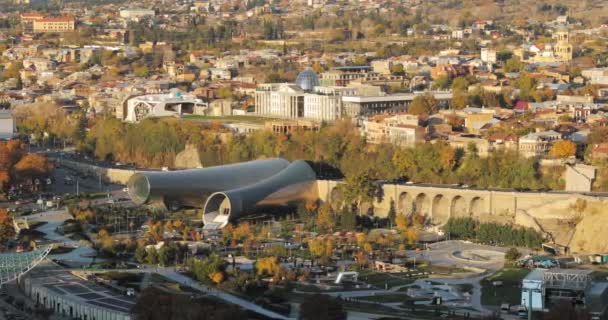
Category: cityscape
<point>303,159</point>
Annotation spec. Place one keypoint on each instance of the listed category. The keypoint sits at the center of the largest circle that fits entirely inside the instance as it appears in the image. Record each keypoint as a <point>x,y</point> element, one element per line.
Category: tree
<point>514,65</point>
<point>152,256</point>
<point>392,213</point>
<point>512,254</point>
<point>7,229</point>
<point>140,254</point>
<point>316,247</point>
<point>33,166</point>
<point>267,266</point>
<point>322,307</point>
<point>398,69</point>
<point>442,83</point>
<point>563,149</point>
<point>325,218</point>
<point>164,255</point>
<point>424,104</point>
<point>348,219</point>
<point>526,85</point>
<point>217,277</point>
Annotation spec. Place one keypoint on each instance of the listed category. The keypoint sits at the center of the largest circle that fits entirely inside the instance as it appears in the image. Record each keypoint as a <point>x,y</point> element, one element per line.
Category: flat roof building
<point>70,296</point>
<point>55,24</point>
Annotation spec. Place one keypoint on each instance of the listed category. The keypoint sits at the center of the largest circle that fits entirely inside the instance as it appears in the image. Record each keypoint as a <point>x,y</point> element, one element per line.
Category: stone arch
<point>404,204</point>
<point>422,204</point>
<point>458,207</point>
<point>476,207</point>
<point>441,209</point>
<point>336,198</point>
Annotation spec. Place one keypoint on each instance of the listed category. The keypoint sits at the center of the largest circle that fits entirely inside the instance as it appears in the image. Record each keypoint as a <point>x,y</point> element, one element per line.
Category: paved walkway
<point>80,255</point>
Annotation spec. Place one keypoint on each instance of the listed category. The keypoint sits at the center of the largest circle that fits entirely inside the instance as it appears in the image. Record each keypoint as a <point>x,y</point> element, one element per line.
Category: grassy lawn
<point>381,280</point>
<point>509,292</point>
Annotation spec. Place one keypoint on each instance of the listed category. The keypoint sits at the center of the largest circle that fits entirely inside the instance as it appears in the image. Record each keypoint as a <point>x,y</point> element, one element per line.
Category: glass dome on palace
<point>307,80</point>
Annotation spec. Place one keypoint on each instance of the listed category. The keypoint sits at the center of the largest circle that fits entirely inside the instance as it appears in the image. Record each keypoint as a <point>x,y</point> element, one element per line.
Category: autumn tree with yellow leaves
<point>563,149</point>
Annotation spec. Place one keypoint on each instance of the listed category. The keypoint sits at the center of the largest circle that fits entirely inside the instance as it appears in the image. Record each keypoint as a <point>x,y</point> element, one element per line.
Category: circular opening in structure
<point>138,188</point>
<point>217,211</point>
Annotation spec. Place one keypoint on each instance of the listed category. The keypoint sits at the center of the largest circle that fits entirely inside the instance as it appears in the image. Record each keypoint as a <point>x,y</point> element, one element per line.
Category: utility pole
<point>77,188</point>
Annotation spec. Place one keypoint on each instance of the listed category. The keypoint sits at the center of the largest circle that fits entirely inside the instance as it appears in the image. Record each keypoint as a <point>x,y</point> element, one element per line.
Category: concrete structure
<point>355,106</point>
<point>70,296</point>
<point>173,104</point>
<point>400,129</point>
<point>579,177</point>
<point>488,55</point>
<point>230,191</point>
<point>325,103</point>
<point>8,127</point>
<point>597,76</point>
<point>476,118</point>
<point>135,13</point>
<point>532,290</point>
<point>55,24</point>
<point>279,100</point>
<point>440,202</point>
<point>463,141</point>
<point>543,288</point>
<point>537,144</point>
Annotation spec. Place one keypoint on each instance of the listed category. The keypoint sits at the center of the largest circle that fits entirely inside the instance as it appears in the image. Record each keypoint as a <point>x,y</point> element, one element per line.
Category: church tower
<point>563,48</point>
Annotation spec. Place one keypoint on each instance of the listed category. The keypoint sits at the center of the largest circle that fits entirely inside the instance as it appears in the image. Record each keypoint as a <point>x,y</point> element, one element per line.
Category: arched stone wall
<point>404,204</point>
<point>440,209</point>
<point>458,207</point>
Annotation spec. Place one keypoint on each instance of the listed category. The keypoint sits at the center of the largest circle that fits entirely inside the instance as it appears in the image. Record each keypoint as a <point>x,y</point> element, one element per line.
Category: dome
<point>307,80</point>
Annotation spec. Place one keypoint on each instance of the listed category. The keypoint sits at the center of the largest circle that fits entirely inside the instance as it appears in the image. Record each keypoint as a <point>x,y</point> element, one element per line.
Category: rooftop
<point>74,288</point>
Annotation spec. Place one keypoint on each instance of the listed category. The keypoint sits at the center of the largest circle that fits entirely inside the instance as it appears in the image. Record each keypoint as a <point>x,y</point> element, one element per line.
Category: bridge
<point>441,202</point>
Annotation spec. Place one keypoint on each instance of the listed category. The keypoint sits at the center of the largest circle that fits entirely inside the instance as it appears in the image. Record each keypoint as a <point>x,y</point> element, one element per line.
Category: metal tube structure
<point>191,187</point>
<point>291,185</point>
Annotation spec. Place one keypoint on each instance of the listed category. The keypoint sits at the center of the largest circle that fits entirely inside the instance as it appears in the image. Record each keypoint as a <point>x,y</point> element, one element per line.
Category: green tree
<point>526,85</point>
<point>164,256</point>
<point>398,69</point>
<point>514,64</point>
<point>152,256</point>
<point>348,218</point>
<point>424,104</point>
<point>140,254</point>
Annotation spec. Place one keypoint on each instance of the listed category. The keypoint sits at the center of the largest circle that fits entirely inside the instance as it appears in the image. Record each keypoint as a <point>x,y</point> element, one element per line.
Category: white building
<point>280,100</point>
<point>488,55</point>
<point>7,125</point>
<point>136,13</point>
<point>172,104</point>
<point>325,103</point>
<point>68,296</point>
<point>597,76</point>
